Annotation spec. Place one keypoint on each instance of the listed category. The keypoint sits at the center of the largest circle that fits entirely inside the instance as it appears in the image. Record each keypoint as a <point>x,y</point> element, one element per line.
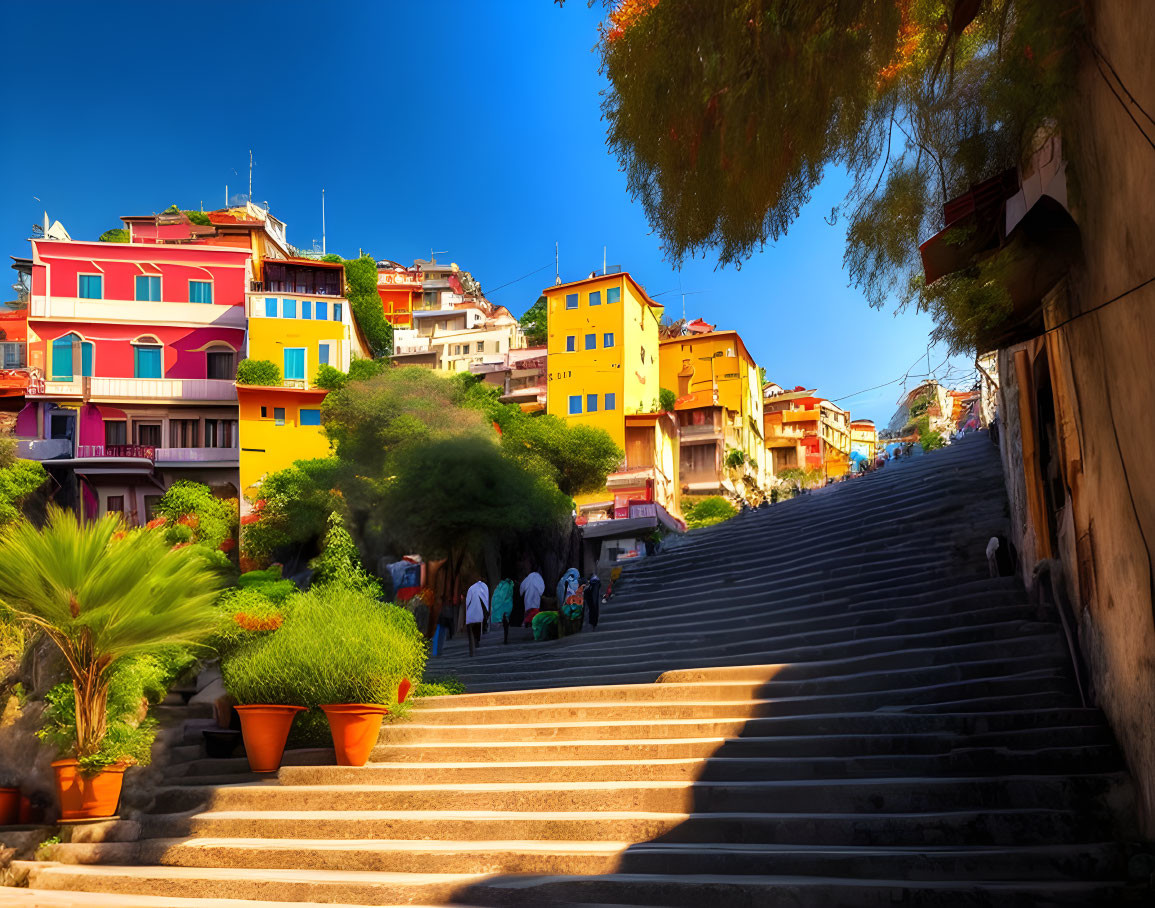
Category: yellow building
<point>298,332</point>
<point>719,412</point>
<point>864,438</point>
<point>603,371</point>
<point>834,428</point>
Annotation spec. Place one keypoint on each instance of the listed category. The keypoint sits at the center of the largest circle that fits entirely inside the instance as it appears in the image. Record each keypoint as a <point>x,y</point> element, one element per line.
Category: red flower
<point>154,523</point>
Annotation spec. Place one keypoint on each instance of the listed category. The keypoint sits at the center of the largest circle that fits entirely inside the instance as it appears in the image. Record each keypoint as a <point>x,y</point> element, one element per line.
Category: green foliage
<point>192,506</point>
<point>666,400</point>
<point>336,646</point>
<point>331,257</point>
<point>330,378</point>
<point>268,584</point>
<point>365,301</point>
<point>734,459</point>
<point>115,235</point>
<point>246,612</point>
<point>441,686</point>
<point>297,503</point>
<point>803,477</point>
<point>101,595</point>
<point>705,512</point>
<point>18,479</point>
<point>259,372</point>
<point>535,323</point>
<point>365,369</point>
<point>198,217</point>
<point>339,562</point>
<point>725,115</point>
<point>333,379</point>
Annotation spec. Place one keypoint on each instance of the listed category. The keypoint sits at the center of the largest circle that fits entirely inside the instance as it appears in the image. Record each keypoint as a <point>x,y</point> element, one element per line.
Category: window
<point>116,432</point>
<point>591,403</point>
<point>219,364</point>
<point>13,355</point>
<point>323,354</point>
<point>310,417</point>
<point>147,433</point>
<point>571,300</point>
<point>295,364</point>
<point>147,288</point>
<point>322,311</point>
<point>457,349</point>
<point>270,307</point>
<point>611,401</point>
<point>596,298</point>
<point>569,344</point>
<point>60,426</point>
<point>219,433</point>
<point>575,403</point>
<point>288,308</point>
<point>200,291</point>
<point>114,504</point>
<point>591,341</point>
<point>481,346</point>
<point>264,412</point>
<point>613,295</point>
<point>465,349</point>
<point>336,312</point>
<point>64,357</point>
<point>306,308</point>
<point>90,286</point>
<point>148,362</point>
<point>608,339</point>
<point>183,433</point>
<point>279,415</point>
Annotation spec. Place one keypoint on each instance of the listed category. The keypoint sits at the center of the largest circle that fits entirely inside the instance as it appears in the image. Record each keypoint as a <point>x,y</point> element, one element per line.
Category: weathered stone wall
<point>1102,368</point>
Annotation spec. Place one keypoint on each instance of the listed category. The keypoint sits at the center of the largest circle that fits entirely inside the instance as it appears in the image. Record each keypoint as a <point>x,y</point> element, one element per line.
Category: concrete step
<point>1091,861</point>
<point>48,898</point>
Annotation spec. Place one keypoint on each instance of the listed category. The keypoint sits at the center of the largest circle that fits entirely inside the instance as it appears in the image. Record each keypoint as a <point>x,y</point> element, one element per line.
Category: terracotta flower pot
<point>9,806</point>
<point>354,727</point>
<point>266,729</point>
<point>87,797</point>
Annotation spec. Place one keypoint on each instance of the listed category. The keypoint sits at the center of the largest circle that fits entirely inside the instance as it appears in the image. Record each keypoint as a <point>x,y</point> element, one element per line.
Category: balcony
<point>136,312</point>
<point>44,448</point>
<point>704,432</point>
<point>197,455</point>
<point>144,452</point>
<point>175,389</point>
<point>800,416</point>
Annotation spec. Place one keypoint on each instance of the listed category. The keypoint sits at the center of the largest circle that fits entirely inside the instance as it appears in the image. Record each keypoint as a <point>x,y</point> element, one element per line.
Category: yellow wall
<point>269,337</point>
<point>267,447</point>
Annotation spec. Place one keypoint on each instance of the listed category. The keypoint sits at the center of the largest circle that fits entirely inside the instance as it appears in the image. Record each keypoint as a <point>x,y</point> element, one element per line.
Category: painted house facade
<point>132,351</point>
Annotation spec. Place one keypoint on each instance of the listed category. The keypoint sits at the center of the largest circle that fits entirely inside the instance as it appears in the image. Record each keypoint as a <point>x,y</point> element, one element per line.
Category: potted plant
<point>339,650</point>
<point>101,595</point>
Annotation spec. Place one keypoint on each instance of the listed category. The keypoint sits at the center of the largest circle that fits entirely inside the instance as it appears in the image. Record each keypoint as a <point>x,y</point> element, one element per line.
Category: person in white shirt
<point>531,589</point>
<point>476,612</point>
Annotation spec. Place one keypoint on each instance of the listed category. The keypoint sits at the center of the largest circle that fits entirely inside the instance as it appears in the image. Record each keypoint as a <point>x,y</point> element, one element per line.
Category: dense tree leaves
<point>535,323</point>
<point>365,301</point>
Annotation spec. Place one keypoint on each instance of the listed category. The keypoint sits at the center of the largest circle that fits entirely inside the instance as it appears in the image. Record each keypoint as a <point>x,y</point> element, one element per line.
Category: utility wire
<point>522,278</point>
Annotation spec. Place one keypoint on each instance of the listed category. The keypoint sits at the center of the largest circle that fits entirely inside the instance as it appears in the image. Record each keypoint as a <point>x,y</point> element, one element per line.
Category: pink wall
<point>90,426</point>
<point>26,424</point>
<point>149,231</point>
<point>177,265</point>
<point>113,355</point>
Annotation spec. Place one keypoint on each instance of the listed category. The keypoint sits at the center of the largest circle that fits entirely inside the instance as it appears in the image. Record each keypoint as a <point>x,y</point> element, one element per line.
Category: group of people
<point>515,606</point>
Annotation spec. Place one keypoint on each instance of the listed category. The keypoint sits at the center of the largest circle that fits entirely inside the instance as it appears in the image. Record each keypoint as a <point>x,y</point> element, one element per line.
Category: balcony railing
<point>44,448</point>
<point>708,430</point>
<point>137,388</point>
<point>146,452</point>
<point>197,455</point>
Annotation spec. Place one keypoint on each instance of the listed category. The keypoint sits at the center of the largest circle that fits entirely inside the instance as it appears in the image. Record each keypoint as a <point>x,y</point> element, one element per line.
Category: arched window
<point>148,357</point>
<point>69,352</point>
<point>220,362</point>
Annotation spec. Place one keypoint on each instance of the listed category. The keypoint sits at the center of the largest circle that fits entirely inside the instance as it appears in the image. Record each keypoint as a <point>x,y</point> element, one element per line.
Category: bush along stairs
<point>825,703</point>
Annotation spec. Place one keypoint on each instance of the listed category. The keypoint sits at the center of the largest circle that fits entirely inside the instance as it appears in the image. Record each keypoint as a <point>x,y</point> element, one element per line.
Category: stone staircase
<point>827,703</point>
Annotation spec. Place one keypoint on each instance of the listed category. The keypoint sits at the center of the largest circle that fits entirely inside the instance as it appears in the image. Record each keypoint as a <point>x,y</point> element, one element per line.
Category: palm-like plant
<point>101,594</point>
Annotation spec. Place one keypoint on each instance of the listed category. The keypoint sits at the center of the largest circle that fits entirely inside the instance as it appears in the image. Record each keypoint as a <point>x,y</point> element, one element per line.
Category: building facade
<point>719,412</point>
<point>863,439</point>
<point>401,292</point>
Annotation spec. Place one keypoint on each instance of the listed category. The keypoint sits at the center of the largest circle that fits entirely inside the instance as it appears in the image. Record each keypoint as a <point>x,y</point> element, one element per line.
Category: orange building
<point>401,292</point>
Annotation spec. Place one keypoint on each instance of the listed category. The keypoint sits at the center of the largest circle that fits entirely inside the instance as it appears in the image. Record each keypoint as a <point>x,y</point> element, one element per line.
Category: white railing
<point>136,312</point>
<point>139,388</point>
<point>43,448</point>
<point>196,455</point>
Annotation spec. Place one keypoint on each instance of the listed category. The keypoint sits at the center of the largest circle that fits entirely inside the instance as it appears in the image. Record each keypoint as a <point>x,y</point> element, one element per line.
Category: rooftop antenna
<point>433,253</point>
<point>226,195</point>
<point>323,252</point>
<point>556,267</point>
<point>250,174</point>
<point>603,261</point>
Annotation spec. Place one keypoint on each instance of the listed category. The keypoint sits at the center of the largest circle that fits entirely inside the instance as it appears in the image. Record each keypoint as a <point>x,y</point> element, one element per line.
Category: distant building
<point>401,292</point>
<point>719,412</point>
<point>863,438</point>
<point>805,431</point>
<point>521,376</point>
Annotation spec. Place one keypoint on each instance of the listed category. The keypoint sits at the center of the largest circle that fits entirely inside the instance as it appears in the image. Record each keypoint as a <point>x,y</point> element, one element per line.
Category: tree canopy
<point>535,323</point>
<point>726,113</point>
<point>365,301</point>
<point>18,479</point>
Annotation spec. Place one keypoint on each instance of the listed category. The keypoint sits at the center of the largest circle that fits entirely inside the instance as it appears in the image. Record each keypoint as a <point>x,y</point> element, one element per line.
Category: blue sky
<point>474,130</point>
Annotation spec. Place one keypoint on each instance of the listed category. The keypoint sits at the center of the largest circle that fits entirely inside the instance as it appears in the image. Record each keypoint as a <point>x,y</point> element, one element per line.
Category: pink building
<point>132,353</point>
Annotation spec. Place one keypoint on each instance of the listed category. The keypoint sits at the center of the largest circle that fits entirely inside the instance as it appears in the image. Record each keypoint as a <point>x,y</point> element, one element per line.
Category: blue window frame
<point>200,291</point>
<point>591,341</point>
<point>613,295</point>
<point>596,298</point>
<point>608,339</point>
<point>148,361</point>
<point>148,288</point>
<point>571,300</point>
<point>591,403</point>
<point>306,308</point>
<point>86,359</point>
<point>288,308</point>
<point>294,363</point>
<point>323,353</point>
<point>336,312</point>
<point>270,307</point>
<point>611,401</point>
<point>569,344</point>
<point>310,417</point>
<point>322,311</point>
<point>62,358</point>
<point>90,286</point>
<point>575,403</point>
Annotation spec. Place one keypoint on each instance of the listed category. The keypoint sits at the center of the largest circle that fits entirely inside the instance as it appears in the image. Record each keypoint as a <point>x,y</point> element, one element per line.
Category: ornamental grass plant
<point>335,645</point>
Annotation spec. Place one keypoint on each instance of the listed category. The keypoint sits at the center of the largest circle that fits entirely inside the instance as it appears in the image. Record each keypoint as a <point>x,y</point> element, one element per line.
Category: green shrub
<point>259,372</point>
<point>336,645</point>
<point>365,369</point>
<point>438,687</point>
<point>339,562</point>
<point>268,583</point>
<point>330,378</point>
<point>114,235</point>
<point>666,399</point>
<point>198,217</point>
<point>705,512</point>
<point>193,514</point>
